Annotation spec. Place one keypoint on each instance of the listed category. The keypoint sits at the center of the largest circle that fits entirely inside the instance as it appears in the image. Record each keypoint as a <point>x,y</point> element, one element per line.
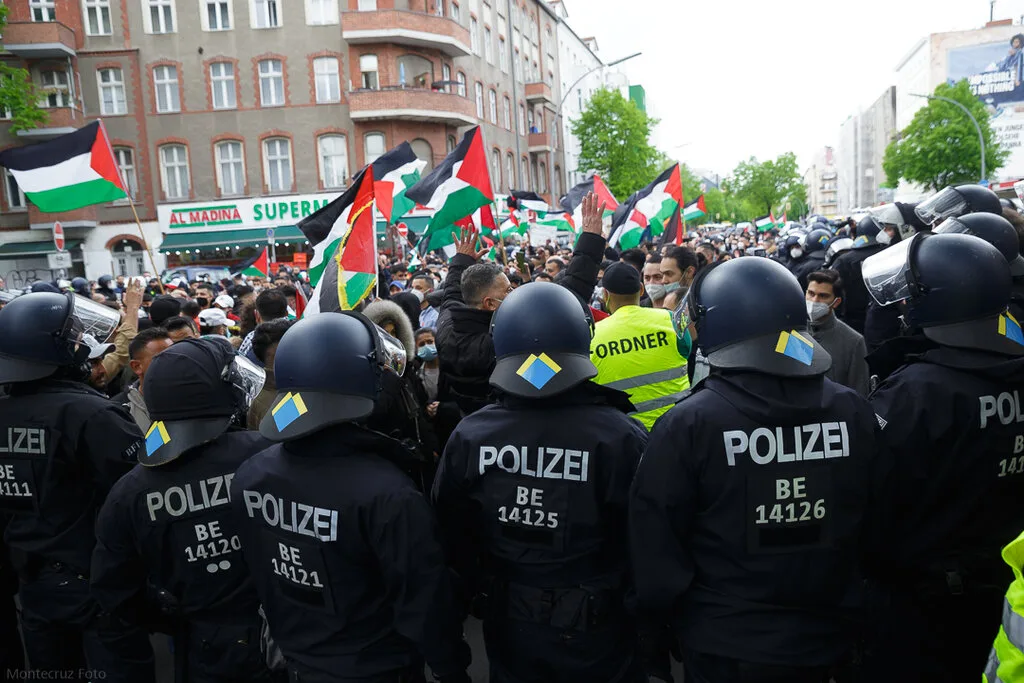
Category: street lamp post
<point>558,115</point>
<point>977,126</point>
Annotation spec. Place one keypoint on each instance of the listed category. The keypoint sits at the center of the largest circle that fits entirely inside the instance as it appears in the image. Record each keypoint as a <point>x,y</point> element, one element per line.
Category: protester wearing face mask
<point>843,343</point>
<point>654,285</point>
<point>678,269</point>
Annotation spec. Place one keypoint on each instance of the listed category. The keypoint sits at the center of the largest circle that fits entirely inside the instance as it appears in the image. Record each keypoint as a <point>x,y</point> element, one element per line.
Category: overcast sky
<point>731,79</point>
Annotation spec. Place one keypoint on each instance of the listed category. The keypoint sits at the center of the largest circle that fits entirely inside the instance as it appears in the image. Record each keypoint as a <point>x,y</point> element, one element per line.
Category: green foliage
<point>17,94</point>
<point>940,147</point>
<point>614,140</point>
<point>767,186</point>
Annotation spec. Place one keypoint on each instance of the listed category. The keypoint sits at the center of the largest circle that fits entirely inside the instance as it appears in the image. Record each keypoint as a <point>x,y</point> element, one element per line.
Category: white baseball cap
<point>96,349</point>
<point>224,301</point>
<point>212,317</point>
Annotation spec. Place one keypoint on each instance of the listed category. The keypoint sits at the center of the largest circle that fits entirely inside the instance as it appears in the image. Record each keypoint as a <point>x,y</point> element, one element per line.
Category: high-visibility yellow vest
<point>1006,662</point>
<point>636,350</point>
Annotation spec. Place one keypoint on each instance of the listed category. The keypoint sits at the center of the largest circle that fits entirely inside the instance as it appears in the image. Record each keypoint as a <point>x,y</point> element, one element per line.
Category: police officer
<point>814,244</point>
<point>341,545</point>
<point>951,421</point>
<point>957,201</point>
<point>865,244</point>
<point>747,509</point>
<point>62,447</point>
<point>637,349</point>
<point>531,495</point>
<point>168,525</point>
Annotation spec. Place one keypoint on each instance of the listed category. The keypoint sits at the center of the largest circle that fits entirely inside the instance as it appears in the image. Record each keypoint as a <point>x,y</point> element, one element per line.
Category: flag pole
<point>145,244</point>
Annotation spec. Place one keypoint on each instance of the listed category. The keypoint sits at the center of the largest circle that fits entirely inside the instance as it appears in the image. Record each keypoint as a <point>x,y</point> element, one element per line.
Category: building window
<point>543,177</point>
<point>97,17</point>
<point>217,15</point>
<point>112,99</point>
<point>488,46</point>
<point>43,10</point>
<point>479,100</point>
<point>165,81</point>
<point>524,173</point>
<point>321,12</point>
<point>222,83</point>
<point>510,171</point>
<point>453,12</point>
<point>506,113</point>
<point>266,14</point>
<point>496,168</point>
<point>161,16</point>
<point>474,35</point>
<point>558,181</point>
<point>368,72</point>
<point>450,144</point>
<point>174,171</point>
<point>503,54</point>
<point>15,197</point>
<point>333,160</point>
<point>492,106</point>
<point>438,8</point>
<point>461,78</point>
<point>373,146</point>
<point>367,5</point>
<point>230,168</point>
<point>271,83</point>
<point>55,91</point>
<point>446,75</point>
<point>126,165</point>
<point>328,88</point>
<point>522,119</point>
<point>277,160</point>
<point>517,63</point>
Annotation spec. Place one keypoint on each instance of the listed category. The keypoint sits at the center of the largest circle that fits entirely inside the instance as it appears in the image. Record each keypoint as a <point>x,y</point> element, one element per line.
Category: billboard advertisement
<point>995,72</point>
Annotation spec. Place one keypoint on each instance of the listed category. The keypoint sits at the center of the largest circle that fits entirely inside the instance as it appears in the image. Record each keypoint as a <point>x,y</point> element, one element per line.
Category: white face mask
<point>817,311</point>
<point>655,292</point>
<point>883,237</point>
<point>796,252</point>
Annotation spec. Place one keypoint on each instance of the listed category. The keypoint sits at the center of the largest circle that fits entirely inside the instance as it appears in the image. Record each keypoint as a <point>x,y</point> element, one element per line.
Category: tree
<point>17,94</point>
<point>766,186</point>
<point>940,147</point>
<point>614,137</point>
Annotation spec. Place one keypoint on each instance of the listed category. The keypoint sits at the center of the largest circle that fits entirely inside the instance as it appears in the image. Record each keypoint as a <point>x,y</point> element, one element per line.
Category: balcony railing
<point>59,121</point>
<point>39,40</point>
<point>402,27</point>
<point>411,104</point>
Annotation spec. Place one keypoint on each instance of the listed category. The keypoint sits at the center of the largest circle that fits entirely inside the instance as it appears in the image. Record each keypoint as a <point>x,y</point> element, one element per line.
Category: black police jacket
<point>344,554</point>
<point>807,265</point>
<point>881,324</point>
<point>535,492</point>
<point>746,517</point>
<point>62,447</point>
<point>953,422</point>
<point>848,264</point>
<point>172,528</point>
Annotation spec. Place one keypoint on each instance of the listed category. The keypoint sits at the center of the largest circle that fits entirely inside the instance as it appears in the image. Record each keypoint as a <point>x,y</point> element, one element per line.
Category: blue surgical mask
<point>671,287</point>
<point>427,352</point>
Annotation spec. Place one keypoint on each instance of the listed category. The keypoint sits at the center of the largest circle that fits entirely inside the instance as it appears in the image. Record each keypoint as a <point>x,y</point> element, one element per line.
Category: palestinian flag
<point>783,222</point>
<point>349,273</point>
<point>573,202</point>
<point>527,201</point>
<point>656,204</point>
<point>764,223</point>
<point>395,172</point>
<point>259,266</point>
<point>561,221</point>
<point>695,210</point>
<point>456,188</point>
<point>69,172</point>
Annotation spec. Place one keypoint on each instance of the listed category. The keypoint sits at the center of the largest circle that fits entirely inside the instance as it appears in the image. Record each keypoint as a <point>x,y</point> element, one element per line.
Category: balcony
<point>39,40</point>
<point>411,104</point>
<point>539,143</point>
<point>539,92</point>
<point>59,121</point>
<point>402,27</point>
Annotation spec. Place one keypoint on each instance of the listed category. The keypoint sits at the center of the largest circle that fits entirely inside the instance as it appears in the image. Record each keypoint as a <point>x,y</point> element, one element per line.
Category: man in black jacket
<point>473,291</point>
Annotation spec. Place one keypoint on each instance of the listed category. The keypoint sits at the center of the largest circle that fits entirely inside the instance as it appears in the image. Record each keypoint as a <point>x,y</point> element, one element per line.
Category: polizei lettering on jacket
<point>1005,407</point>
<point>192,497</point>
<point>24,441</point>
<point>765,445</point>
<point>543,462</point>
<point>298,518</point>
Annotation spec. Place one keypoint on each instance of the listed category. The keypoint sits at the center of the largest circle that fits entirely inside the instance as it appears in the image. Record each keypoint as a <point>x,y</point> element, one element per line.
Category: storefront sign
<point>261,212</point>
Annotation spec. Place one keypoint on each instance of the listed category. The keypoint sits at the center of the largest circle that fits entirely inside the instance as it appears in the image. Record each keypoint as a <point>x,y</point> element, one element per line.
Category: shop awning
<point>13,250</point>
<point>228,238</point>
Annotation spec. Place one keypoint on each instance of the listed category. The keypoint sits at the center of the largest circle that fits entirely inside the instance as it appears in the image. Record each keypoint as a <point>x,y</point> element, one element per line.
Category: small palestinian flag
<point>695,210</point>
<point>259,267</point>
<point>69,172</point>
<point>764,223</point>
<point>456,188</point>
<point>573,202</point>
<point>782,223</point>
<point>527,201</point>
<point>349,272</point>
<point>657,204</point>
<point>395,172</point>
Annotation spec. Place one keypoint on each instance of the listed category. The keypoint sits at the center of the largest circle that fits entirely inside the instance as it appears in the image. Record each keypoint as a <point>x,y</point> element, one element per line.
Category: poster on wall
<point>995,72</point>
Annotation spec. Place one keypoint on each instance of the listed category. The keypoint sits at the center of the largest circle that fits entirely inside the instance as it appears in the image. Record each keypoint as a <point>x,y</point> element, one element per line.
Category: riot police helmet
<point>867,232</point>
<point>542,336</point>
<point>80,286</point>
<point>957,201</point>
<point>836,247</point>
<point>195,391</point>
<point>42,332</point>
<point>954,287</point>
<point>328,370</point>
<point>995,230</point>
<point>816,240</point>
<point>737,331</point>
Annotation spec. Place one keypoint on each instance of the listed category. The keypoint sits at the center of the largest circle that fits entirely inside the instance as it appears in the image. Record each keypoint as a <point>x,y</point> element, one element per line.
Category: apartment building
<point>231,120</point>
